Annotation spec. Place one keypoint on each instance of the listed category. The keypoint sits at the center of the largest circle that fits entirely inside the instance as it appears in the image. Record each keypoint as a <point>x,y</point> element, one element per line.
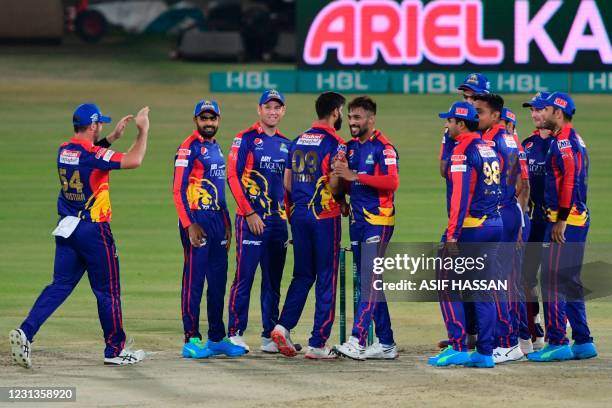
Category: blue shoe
<point>480,361</point>
<point>225,347</point>
<point>584,351</point>
<point>196,349</point>
<point>552,353</point>
<point>449,356</point>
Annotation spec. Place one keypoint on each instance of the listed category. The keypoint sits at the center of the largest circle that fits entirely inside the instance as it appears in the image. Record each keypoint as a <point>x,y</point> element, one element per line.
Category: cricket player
<point>83,237</point>
<point>565,197</point>
<point>474,84</point>
<point>256,168</point>
<point>371,174</point>
<point>514,181</point>
<point>205,231</point>
<point>536,147</point>
<point>314,215</point>
<point>473,180</point>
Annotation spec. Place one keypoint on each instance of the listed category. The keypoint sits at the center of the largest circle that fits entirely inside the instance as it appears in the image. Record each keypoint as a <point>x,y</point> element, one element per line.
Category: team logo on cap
<point>461,112</point>
<point>473,79</point>
<point>273,93</point>
<point>561,102</point>
<point>94,117</point>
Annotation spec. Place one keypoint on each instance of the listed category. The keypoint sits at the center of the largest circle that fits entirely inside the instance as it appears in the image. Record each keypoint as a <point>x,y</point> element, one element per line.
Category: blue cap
<point>537,101</point>
<point>272,95</point>
<point>88,113</point>
<point>207,105</point>
<point>461,110</point>
<point>477,83</point>
<point>561,100</point>
<point>508,116</point>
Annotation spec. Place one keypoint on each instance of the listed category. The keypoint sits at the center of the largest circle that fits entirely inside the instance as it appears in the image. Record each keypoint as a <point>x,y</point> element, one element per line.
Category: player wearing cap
<point>536,147</point>
<point>567,168</point>
<point>472,180</point>
<point>514,181</point>
<point>205,231</point>
<point>256,168</point>
<point>371,177</point>
<point>315,227</point>
<point>474,84</point>
<point>83,238</point>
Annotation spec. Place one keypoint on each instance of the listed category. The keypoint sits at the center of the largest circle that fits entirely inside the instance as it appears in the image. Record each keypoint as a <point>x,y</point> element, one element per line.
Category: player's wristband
<point>562,214</point>
<point>248,215</point>
<point>103,143</point>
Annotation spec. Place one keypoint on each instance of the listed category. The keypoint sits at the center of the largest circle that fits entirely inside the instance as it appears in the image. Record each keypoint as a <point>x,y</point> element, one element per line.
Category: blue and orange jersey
<point>256,166</point>
<point>199,179</point>
<point>567,169</point>
<point>472,184</point>
<point>311,155</point>
<point>84,176</point>
<point>372,195</point>
<point>512,162</point>
<point>536,148</point>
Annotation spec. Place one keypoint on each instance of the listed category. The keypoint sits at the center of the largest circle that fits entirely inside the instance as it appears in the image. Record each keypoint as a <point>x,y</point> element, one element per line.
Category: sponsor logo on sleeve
<point>458,157</point>
<point>70,157</point>
<point>522,156</point>
<point>108,155</point>
<point>458,168</point>
<point>389,153</point>
<point>236,142</point>
<point>181,163</point>
<point>510,142</point>
<point>184,152</point>
<point>101,152</point>
<point>580,140</point>
<point>310,139</point>
<point>564,144</point>
<point>390,162</point>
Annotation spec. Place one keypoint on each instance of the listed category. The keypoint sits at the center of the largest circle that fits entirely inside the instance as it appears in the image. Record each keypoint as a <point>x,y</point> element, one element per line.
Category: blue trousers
<point>209,263</point>
<point>561,266</point>
<point>531,267</point>
<point>482,308</point>
<point>372,304</point>
<point>268,251</point>
<point>316,248</point>
<point>504,334</point>
<point>91,247</point>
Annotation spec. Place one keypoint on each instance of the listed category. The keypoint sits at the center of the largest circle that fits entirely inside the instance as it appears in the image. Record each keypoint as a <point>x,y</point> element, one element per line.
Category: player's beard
<point>207,132</point>
<point>338,123</point>
<point>360,132</point>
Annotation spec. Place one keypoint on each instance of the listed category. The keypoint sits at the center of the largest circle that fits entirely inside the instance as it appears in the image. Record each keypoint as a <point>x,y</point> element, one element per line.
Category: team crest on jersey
<point>283,148</point>
<point>369,159</point>
<point>510,142</point>
<point>71,157</point>
<point>564,144</point>
<point>310,139</point>
<point>486,151</point>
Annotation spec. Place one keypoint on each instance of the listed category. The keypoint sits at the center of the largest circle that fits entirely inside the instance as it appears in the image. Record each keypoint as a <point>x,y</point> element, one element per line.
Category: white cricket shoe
<point>126,357</point>
<point>320,353</point>
<point>281,337</point>
<point>505,354</point>
<point>351,349</point>
<point>539,343</point>
<point>239,341</point>
<point>379,351</point>
<point>268,345</point>
<point>526,346</point>
<point>21,348</point>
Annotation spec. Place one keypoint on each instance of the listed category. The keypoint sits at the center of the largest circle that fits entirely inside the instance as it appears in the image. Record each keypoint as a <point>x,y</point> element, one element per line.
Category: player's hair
<point>495,101</point>
<point>470,124</point>
<point>327,102</point>
<point>364,102</point>
<point>79,129</point>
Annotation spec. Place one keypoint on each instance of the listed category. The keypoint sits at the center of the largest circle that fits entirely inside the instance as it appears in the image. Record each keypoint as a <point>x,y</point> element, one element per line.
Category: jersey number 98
<point>491,173</point>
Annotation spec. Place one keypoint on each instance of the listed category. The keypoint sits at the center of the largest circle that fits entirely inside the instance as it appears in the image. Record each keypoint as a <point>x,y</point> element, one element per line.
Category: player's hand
<point>256,225</point>
<point>452,248</point>
<point>228,237</point>
<point>345,208</point>
<point>119,129</point>
<point>142,119</point>
<point>558,232</point>
<point>197,235</point>
<point>345,173</point>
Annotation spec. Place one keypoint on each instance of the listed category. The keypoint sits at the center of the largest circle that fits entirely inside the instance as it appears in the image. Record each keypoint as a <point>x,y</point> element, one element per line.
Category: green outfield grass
<point>40,87</point>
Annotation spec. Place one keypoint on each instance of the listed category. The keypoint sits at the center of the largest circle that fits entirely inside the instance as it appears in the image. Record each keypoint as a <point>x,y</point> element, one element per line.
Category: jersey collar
<point>488,135</point>
<point>260,130</point>
<point>83,142</point>
<point>467,136</point>
<point>197,135</point>
<point>564,131</point>
<point>328,129</point>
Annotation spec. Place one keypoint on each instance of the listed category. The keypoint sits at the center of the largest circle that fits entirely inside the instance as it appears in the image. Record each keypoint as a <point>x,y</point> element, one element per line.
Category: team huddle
<point>498,191</point>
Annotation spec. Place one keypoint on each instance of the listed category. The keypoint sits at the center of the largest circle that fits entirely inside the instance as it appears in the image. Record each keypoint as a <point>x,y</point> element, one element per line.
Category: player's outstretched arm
<point>135,155</point>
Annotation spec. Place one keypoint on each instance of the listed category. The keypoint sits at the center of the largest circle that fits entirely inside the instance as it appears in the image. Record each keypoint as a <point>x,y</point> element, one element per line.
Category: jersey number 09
<point>301,161</point>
